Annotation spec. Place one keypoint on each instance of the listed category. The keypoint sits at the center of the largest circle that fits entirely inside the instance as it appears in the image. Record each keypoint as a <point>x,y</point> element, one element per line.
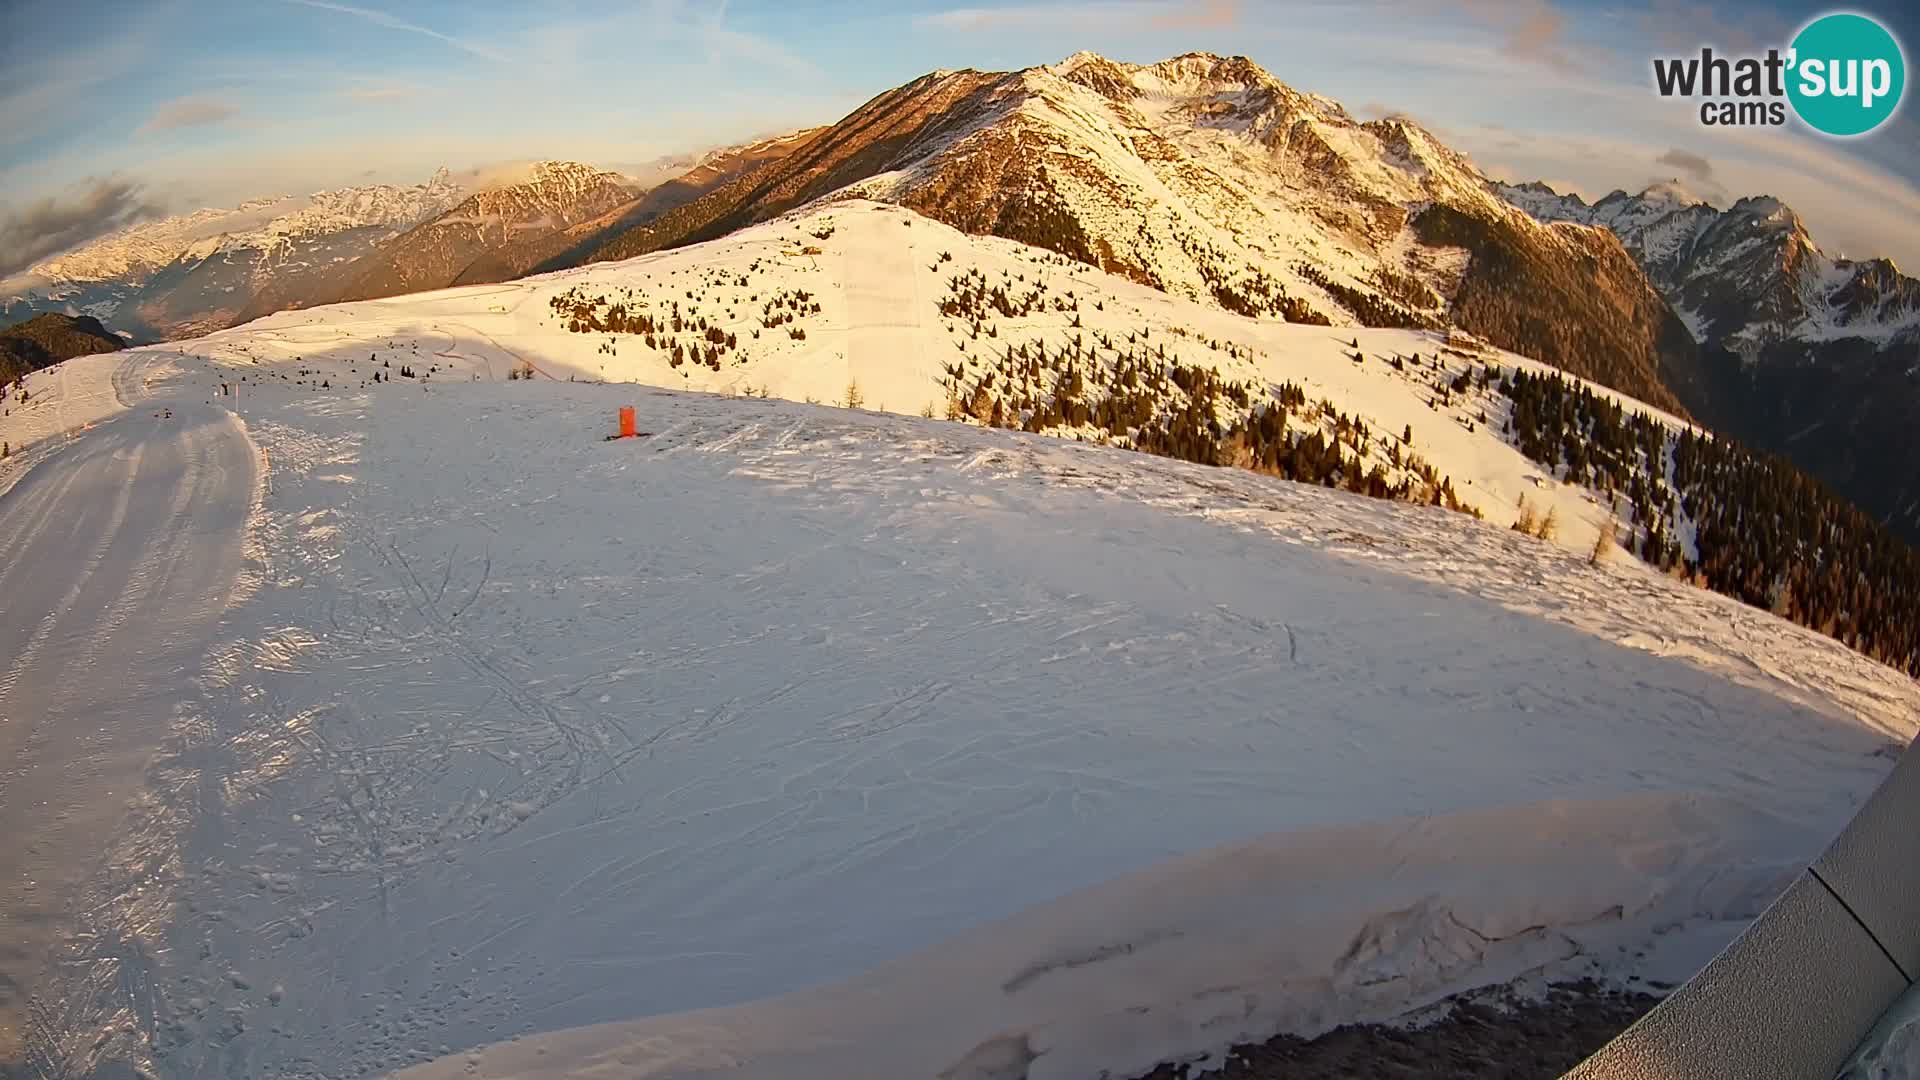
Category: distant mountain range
<point>195,273</point>
<point>187,275</point>
<point>573,244</point>
<point>554,196</point>
<point>1203,176</point>
<point>1807,355</point>
<point>1745,277</point>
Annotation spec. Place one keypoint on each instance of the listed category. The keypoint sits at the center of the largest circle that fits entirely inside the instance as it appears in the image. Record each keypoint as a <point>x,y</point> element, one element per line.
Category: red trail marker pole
<point>627,428</point>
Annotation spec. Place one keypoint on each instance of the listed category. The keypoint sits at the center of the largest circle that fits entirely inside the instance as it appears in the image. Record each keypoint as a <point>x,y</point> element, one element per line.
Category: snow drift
<point>1293,932</point>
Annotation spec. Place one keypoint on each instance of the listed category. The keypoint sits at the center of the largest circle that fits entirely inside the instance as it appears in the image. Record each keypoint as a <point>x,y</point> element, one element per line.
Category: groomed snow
<point>64,401</point>
<point>810,741</point>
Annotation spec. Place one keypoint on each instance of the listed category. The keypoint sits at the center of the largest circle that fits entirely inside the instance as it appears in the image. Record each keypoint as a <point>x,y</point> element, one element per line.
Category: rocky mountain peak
<point>561,190</point>
<point>565,172</point>
<point>1099,74</point>
<point>1206,177</point>
<point>1205,71</point>
<point>1673,193</point>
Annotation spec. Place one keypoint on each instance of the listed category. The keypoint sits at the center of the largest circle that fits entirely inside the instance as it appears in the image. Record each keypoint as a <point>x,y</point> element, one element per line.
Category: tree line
<point>1762,531</point>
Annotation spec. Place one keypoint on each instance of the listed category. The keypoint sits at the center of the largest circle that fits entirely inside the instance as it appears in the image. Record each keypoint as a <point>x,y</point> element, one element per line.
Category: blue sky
<point>135,107</point>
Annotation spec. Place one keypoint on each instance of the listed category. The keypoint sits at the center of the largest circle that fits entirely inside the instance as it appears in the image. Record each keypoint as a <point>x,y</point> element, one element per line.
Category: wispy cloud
<point>680,32</point>
<point>53,225</point>
<point>1685,24</point>
<point>1109,15</point>
<point>39,86</point>
<point>722,43</point>
<point>390,22</point>
<point>1687,162</point>
<point>189,112</point>
<point>1202,16</point>
<point>1527,29</point>
<point>725,44</point>
<point>381,93</point>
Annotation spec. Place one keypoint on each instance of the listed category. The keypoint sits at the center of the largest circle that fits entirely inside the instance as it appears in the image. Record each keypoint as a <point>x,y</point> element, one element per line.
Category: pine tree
<point>1603,542</point>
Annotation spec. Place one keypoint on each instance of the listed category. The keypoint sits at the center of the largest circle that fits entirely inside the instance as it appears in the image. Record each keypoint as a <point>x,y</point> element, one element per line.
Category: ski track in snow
<point>117,554</point>
<point>510,729</point>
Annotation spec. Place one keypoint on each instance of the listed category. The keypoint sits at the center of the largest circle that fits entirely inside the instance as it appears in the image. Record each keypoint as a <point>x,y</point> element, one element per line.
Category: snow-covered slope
<point>1891,1051</point>
<point>518,729</point>
<point>880,301</point>
<point>62,402</point>
<point>1175,963</point>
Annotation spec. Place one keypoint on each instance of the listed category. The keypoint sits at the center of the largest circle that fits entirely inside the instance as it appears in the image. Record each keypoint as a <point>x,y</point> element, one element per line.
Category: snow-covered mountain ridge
<point>270,224</point>
<point>346,209</point>
<point>1206,177</point>
<point>546,197</point>
<point>214,268</point>
<point>1811,356</point>
<point>208,269</point>
<point>1746,276</point>
<point>549,190</point>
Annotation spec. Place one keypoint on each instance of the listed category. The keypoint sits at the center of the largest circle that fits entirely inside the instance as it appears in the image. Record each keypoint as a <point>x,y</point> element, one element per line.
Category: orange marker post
<point>627,428</point>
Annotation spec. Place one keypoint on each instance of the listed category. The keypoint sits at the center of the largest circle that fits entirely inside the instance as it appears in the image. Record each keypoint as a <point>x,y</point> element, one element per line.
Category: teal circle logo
<point>1847,76</point>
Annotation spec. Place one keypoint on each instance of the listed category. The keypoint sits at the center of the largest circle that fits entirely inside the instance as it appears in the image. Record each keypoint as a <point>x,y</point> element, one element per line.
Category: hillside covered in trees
<point>49,338</point>
<point>1738,521</point>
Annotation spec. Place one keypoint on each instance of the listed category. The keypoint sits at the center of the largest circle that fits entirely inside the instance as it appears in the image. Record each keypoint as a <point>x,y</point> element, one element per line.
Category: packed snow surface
<point>792,740</point>
<point>117,556</point>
